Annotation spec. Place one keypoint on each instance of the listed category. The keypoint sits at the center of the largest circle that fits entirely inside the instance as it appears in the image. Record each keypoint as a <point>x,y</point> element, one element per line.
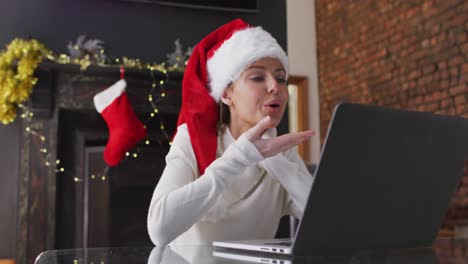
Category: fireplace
<point>87,205</point>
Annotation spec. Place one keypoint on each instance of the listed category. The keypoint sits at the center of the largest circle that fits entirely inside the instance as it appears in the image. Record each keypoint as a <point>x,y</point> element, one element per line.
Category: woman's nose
<point>273,85</point>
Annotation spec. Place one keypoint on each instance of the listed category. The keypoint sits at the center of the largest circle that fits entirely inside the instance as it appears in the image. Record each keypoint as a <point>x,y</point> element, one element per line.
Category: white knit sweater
<point>240,196</point>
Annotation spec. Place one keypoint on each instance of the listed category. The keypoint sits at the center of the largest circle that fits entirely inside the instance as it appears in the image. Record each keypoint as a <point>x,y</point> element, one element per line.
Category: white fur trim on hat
<point>243,48</point>
<point>105,98</point>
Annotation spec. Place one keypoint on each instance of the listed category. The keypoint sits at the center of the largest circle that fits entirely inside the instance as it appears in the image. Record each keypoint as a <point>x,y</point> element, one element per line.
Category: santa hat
<point>216,61</point>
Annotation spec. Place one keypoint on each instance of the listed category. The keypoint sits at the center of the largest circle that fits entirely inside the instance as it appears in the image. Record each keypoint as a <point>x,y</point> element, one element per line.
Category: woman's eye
<point>281,80</point>
<point>257,78</point>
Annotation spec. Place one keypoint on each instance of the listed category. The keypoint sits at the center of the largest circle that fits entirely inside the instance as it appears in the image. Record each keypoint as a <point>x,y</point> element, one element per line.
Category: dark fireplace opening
<point>99,208</point>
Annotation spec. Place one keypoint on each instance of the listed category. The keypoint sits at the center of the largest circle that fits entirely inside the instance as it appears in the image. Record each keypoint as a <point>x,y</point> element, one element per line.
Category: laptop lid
<point>384,179</point>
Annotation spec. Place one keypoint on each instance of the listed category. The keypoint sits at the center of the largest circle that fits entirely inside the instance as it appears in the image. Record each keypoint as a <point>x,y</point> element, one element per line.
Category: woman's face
<point>261,90</point>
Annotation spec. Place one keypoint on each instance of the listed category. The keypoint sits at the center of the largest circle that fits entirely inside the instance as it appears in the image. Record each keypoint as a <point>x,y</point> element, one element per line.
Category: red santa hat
<point>217,60</point>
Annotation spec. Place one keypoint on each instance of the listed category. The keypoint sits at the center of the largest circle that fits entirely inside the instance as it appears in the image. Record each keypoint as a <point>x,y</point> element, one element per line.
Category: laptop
<point>419,255</point>
<point>384,180</point>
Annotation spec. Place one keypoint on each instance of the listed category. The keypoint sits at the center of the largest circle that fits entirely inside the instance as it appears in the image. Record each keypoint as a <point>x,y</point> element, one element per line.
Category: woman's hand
<point>272,146</point>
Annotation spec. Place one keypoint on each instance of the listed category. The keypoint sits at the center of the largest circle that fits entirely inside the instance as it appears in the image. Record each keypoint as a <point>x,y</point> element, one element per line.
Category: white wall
<point>302,51</point>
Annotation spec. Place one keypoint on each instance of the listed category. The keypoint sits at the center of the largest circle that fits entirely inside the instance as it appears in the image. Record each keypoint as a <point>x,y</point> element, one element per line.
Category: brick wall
<point>401,54</point>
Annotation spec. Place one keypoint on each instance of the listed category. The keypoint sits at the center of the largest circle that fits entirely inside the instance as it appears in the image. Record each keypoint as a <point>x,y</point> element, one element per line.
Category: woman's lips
<point>273,106</point>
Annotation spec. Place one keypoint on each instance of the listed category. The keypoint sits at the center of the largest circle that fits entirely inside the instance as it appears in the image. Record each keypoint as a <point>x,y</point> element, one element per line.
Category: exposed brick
<point>460,109</point>
<point>425,43</point>
<point>462,191</point>
<point>460,99</point>
<point>464,48</point>
<point>451,111</point>
<point>444,74</point>
<point>408,54</point>
<point>458,20</point>
<point>444,84</point>
<point>442,65</point>
<point>458,251</point>
<point>453,72</point>
<point>456,61</point>
<point>429,69</point>
<point>461,37</point>
<point>427,79</point>
<point>446,102</point>
<point>464,68</point>
<point>415,74</point>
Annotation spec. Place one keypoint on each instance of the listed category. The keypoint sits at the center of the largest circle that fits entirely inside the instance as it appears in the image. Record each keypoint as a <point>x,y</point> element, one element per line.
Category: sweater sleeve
<point>181,198</point>
<point>290,171</point>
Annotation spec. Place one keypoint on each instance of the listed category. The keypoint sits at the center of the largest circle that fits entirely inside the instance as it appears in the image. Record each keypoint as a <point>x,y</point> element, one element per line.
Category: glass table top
<point>448,250</point>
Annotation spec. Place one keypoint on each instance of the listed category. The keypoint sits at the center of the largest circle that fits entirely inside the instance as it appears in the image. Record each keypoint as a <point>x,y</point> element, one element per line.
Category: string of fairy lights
<point>46,156</point>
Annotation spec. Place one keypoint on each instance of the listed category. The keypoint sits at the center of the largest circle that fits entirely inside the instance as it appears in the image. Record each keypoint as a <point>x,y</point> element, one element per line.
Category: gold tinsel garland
<point>21,58</point>
<point>17,65</point>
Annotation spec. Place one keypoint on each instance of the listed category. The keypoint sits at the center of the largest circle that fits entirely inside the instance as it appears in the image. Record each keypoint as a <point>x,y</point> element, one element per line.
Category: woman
<point>228,176</point>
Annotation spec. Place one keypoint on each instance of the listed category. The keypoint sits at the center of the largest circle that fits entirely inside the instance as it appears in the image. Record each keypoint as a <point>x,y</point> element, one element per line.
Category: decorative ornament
<point>178,59</point>
<point>87,51</point>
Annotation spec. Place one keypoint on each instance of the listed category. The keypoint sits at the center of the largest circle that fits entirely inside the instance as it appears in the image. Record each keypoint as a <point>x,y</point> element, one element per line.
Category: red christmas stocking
<point>125,129</point>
